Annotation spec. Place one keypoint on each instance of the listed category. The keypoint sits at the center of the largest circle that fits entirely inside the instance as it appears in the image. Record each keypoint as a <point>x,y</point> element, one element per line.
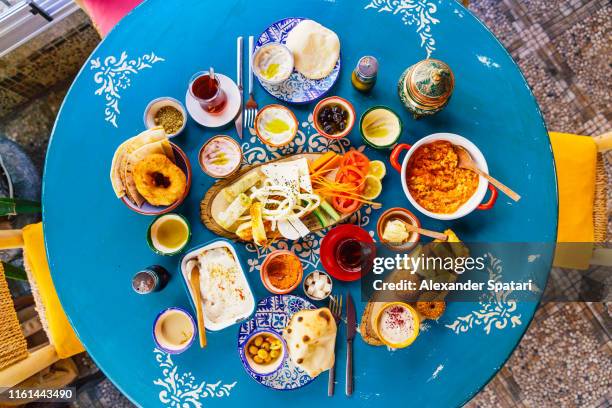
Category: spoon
<point>426,232</point>
<point>211,77</point>
<point>466,162</point>
<point>194,279</point>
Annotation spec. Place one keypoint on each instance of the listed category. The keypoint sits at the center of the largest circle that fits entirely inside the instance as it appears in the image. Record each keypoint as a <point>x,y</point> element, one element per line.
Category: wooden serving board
<point>214,202</point>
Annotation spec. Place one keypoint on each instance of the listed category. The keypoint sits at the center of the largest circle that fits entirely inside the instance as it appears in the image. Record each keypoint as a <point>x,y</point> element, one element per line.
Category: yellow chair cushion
<point>575,159</point>
<point>62,335</point>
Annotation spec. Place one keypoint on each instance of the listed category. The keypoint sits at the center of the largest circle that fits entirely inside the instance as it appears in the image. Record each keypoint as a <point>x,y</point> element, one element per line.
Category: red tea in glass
<point>207,90</point>
<point>350,255</point>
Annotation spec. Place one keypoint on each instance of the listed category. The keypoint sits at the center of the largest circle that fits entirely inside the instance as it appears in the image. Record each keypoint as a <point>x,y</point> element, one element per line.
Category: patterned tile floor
<point>564,50</point>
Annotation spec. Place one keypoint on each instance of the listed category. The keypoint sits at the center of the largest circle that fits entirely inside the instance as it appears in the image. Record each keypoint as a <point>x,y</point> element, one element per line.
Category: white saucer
<point>216,120</point>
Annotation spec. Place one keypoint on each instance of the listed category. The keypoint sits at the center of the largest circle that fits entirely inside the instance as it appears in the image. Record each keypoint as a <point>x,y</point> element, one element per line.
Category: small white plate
<point>221,119</point>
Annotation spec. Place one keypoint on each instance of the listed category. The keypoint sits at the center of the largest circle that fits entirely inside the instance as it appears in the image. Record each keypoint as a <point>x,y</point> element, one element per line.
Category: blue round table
<point>95,243</point>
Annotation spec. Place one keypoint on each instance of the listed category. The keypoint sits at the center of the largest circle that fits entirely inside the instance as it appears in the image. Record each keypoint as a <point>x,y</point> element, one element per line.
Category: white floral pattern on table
<point>113,75</point>
<point>181,390</point>
<point>417,13</point>
<point>307,140</point>
<point>498,311</point>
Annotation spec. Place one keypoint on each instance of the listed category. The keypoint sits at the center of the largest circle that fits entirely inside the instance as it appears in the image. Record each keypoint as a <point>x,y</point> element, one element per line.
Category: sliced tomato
<point>357,159</point>
<point>345,205</point>
<point>351,175</point>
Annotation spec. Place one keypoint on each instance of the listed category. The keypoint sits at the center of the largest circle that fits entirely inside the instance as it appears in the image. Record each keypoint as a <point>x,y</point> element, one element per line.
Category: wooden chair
<point>17,363</point>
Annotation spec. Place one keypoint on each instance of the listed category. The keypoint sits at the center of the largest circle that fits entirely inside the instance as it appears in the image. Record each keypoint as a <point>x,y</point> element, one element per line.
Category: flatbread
<point>160,147</point>
<point>311,339</point>
<point>315,48</point>
<point>124,150</point>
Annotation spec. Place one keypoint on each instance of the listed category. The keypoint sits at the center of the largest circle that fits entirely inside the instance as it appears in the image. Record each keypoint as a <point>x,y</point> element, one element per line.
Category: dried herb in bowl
<point>170,118</point>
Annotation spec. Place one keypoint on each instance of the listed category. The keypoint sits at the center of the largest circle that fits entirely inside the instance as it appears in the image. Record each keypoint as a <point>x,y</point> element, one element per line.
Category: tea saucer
<point>221,119</point>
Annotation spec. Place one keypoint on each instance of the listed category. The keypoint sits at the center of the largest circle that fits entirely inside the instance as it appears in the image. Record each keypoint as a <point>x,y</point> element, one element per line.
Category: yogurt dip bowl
<point>174,330</point>
<point>168,234</point>
<point>220,157</point>
<point>228,298</point>
<point>276,125</point>
<point>273,63</point>
<point>397,325</point>
<point>474,202</point>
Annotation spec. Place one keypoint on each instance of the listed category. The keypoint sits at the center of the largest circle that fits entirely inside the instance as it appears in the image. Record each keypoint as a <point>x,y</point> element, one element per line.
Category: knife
<point>351,329</point>
<point>239,69</point>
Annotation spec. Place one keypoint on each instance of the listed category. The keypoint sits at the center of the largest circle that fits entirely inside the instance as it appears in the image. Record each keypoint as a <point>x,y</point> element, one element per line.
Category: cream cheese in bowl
<point>276,125</point>
<point>273,63</point>
<point>220,156</point>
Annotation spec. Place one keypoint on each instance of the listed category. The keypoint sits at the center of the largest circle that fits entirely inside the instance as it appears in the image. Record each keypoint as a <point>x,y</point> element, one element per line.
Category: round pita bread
<point>315,48</point>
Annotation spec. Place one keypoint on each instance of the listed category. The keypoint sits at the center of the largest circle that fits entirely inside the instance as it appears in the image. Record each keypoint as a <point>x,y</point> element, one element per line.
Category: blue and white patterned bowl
<point>273,314</point>
<point>297,88</point>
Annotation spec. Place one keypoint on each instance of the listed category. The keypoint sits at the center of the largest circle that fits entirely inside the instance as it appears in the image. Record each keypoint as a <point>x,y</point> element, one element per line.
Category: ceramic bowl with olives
<point>264,352</point>
<point>334,117</point>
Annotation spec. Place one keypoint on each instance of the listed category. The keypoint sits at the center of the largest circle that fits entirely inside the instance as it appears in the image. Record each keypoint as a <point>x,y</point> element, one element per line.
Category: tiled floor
<point>564,49</point>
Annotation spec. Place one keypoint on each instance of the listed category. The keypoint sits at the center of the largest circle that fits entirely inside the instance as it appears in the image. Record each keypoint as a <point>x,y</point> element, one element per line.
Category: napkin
<point>575,159</point>
<point>60,333</point>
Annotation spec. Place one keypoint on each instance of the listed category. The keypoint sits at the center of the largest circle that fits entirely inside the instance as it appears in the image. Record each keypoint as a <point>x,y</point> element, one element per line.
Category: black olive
<point>337,117</point>
<point>342,125</point>
<point>328,129</point>
<point>336,109</point>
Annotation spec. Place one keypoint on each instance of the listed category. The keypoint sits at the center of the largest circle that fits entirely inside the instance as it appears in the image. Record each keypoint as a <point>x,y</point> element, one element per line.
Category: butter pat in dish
<point>276,125</point>
<point>226,295</point>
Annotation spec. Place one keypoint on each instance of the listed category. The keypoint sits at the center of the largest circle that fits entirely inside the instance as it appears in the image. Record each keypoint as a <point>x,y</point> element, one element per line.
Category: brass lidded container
<point>426,87</point>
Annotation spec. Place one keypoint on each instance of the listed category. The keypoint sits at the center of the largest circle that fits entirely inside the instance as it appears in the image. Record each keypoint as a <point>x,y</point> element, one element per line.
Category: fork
<point>335,306</point>
<point>251,106</point>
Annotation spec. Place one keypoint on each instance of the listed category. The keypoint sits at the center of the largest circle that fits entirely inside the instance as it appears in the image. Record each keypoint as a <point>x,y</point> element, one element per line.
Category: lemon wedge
<point>377,169</point>
<point>373,187</point>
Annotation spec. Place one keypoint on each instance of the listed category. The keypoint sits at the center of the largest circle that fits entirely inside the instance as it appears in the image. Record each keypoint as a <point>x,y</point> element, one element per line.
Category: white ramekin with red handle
<point>474,203</point>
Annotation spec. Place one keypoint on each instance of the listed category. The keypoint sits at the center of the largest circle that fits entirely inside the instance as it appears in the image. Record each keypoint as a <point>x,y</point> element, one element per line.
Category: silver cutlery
<point>239,71</point>
<point>335,306</point>
<point>351,330</point>
<point>251,106</point>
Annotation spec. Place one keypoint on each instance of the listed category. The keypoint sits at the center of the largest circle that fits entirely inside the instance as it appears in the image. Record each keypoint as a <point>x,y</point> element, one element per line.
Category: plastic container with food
<point>273,63</point>
<point>380,127</point>
<point>227,298</point>
<point>276,125</point>
<point>220,156</point>
<point>281,272</point>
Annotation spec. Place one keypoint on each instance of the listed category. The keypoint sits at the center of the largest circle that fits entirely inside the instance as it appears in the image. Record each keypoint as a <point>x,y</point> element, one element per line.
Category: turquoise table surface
<point>95,243</point>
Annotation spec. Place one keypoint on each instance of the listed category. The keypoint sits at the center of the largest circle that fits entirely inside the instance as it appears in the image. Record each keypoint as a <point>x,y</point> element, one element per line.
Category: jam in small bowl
<point>334,117</point>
